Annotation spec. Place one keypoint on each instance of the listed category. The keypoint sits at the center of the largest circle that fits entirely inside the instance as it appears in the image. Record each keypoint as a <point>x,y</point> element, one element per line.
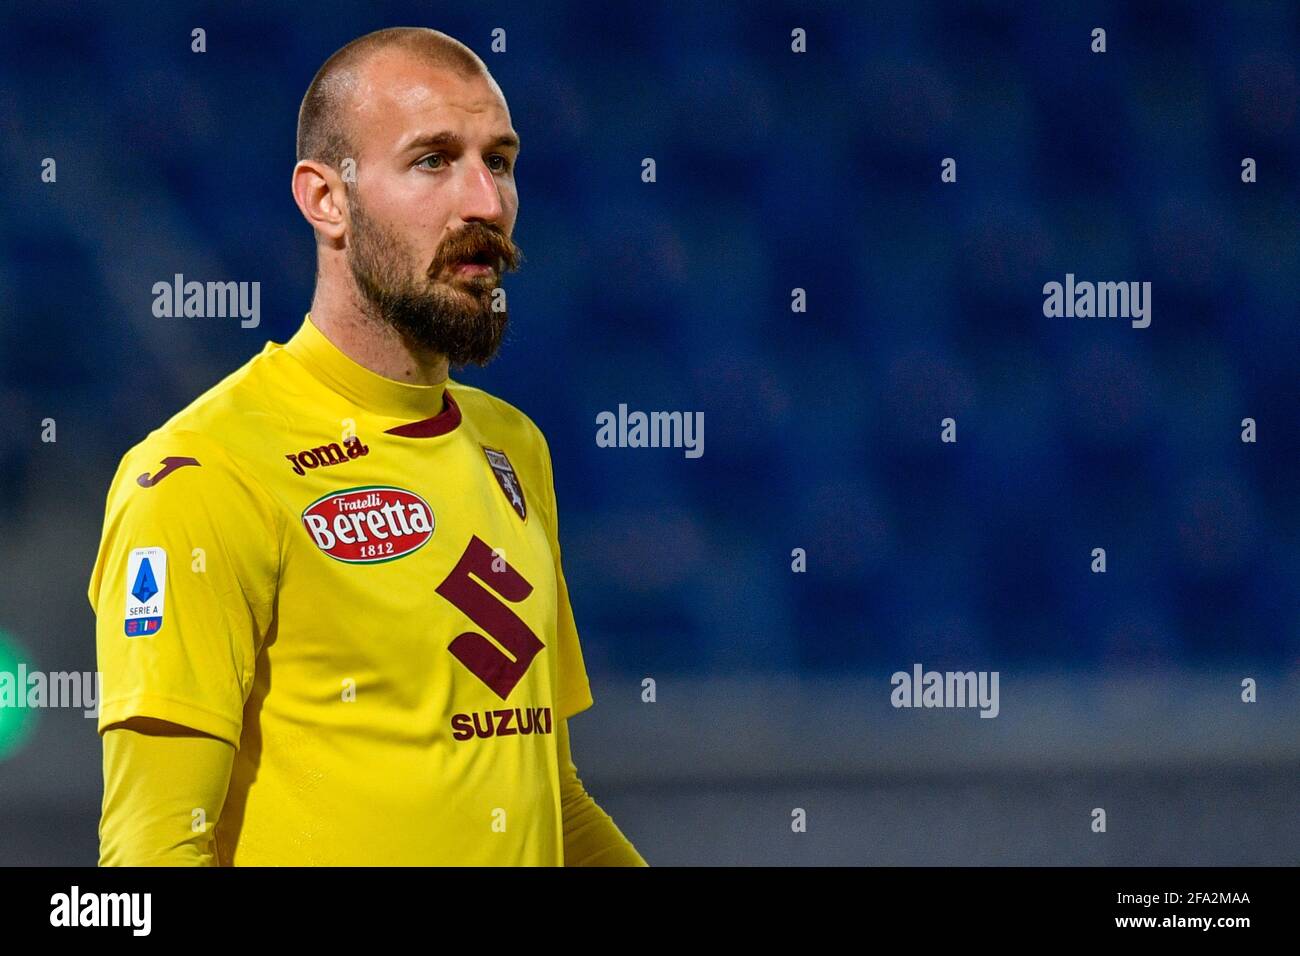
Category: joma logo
<point>326,455</point>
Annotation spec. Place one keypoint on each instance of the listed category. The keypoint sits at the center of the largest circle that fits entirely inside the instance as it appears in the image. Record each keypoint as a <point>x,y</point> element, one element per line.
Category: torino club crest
<point>507,479</point>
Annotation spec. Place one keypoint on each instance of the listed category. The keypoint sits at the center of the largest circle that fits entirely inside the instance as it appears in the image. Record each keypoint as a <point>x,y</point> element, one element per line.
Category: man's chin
<point>431,333</point>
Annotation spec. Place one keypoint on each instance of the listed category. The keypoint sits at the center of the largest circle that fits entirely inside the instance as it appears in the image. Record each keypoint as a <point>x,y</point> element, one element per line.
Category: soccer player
<point>333,626</point>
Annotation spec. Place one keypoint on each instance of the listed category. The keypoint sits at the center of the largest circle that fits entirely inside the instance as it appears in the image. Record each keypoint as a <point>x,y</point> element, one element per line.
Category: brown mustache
<point>477,243</point>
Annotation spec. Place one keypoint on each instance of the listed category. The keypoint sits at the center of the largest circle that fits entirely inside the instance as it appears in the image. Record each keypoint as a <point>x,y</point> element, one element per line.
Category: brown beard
<point>445,314</point>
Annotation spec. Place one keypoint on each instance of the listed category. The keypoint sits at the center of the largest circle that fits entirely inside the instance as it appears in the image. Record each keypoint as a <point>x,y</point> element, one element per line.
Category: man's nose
<point>480,197</point>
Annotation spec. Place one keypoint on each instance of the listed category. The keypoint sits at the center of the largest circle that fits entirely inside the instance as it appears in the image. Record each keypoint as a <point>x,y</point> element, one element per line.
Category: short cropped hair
<point>323,133</point>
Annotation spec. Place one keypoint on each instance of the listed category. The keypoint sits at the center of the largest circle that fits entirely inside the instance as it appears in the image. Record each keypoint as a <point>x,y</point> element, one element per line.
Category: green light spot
<point>16,723</point>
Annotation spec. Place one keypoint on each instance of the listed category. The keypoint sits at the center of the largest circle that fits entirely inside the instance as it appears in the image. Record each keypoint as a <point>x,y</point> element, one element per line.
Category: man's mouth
<point>481,264</point>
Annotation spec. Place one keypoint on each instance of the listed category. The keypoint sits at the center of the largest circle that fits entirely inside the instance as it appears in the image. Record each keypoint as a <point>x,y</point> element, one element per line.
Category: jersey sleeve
<point>183,587</point>
<point>574,691</point>
<point>591,837</point>
<point>154,784</point>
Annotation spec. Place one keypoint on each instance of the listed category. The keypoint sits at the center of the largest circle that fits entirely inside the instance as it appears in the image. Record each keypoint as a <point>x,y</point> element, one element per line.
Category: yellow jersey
<point>357,583</point>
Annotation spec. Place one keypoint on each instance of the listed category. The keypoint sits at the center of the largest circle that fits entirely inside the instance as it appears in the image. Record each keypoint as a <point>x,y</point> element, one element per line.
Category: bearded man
<point>333,626</point>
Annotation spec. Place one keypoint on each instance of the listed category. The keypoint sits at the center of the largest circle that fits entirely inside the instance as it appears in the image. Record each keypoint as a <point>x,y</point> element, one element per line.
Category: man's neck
<point>372,343</point>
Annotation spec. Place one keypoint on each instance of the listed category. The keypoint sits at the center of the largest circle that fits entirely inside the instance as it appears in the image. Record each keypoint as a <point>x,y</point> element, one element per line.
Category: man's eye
<point>429,159</point>
<point>502,164</point>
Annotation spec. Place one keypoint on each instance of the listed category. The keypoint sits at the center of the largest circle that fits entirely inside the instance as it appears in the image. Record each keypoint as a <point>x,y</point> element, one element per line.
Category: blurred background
<point>775,171</point>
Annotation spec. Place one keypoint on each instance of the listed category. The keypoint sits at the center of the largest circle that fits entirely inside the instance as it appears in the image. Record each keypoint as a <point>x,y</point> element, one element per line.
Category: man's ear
<point>321,197</point>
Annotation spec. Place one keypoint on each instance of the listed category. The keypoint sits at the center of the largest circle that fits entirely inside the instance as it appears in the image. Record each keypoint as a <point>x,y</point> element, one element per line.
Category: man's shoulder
<point>496,419</point>
<point>185,485</point>
<point>220,424</point>
<point>241,401</point>
<point>501,427</point>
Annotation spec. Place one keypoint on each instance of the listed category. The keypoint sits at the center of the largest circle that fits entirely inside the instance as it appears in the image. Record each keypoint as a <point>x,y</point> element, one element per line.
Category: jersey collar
<point>415,405</point>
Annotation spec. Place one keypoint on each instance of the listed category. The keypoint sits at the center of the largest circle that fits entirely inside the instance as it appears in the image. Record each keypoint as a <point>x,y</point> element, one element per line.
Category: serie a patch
<point>146,589</point>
